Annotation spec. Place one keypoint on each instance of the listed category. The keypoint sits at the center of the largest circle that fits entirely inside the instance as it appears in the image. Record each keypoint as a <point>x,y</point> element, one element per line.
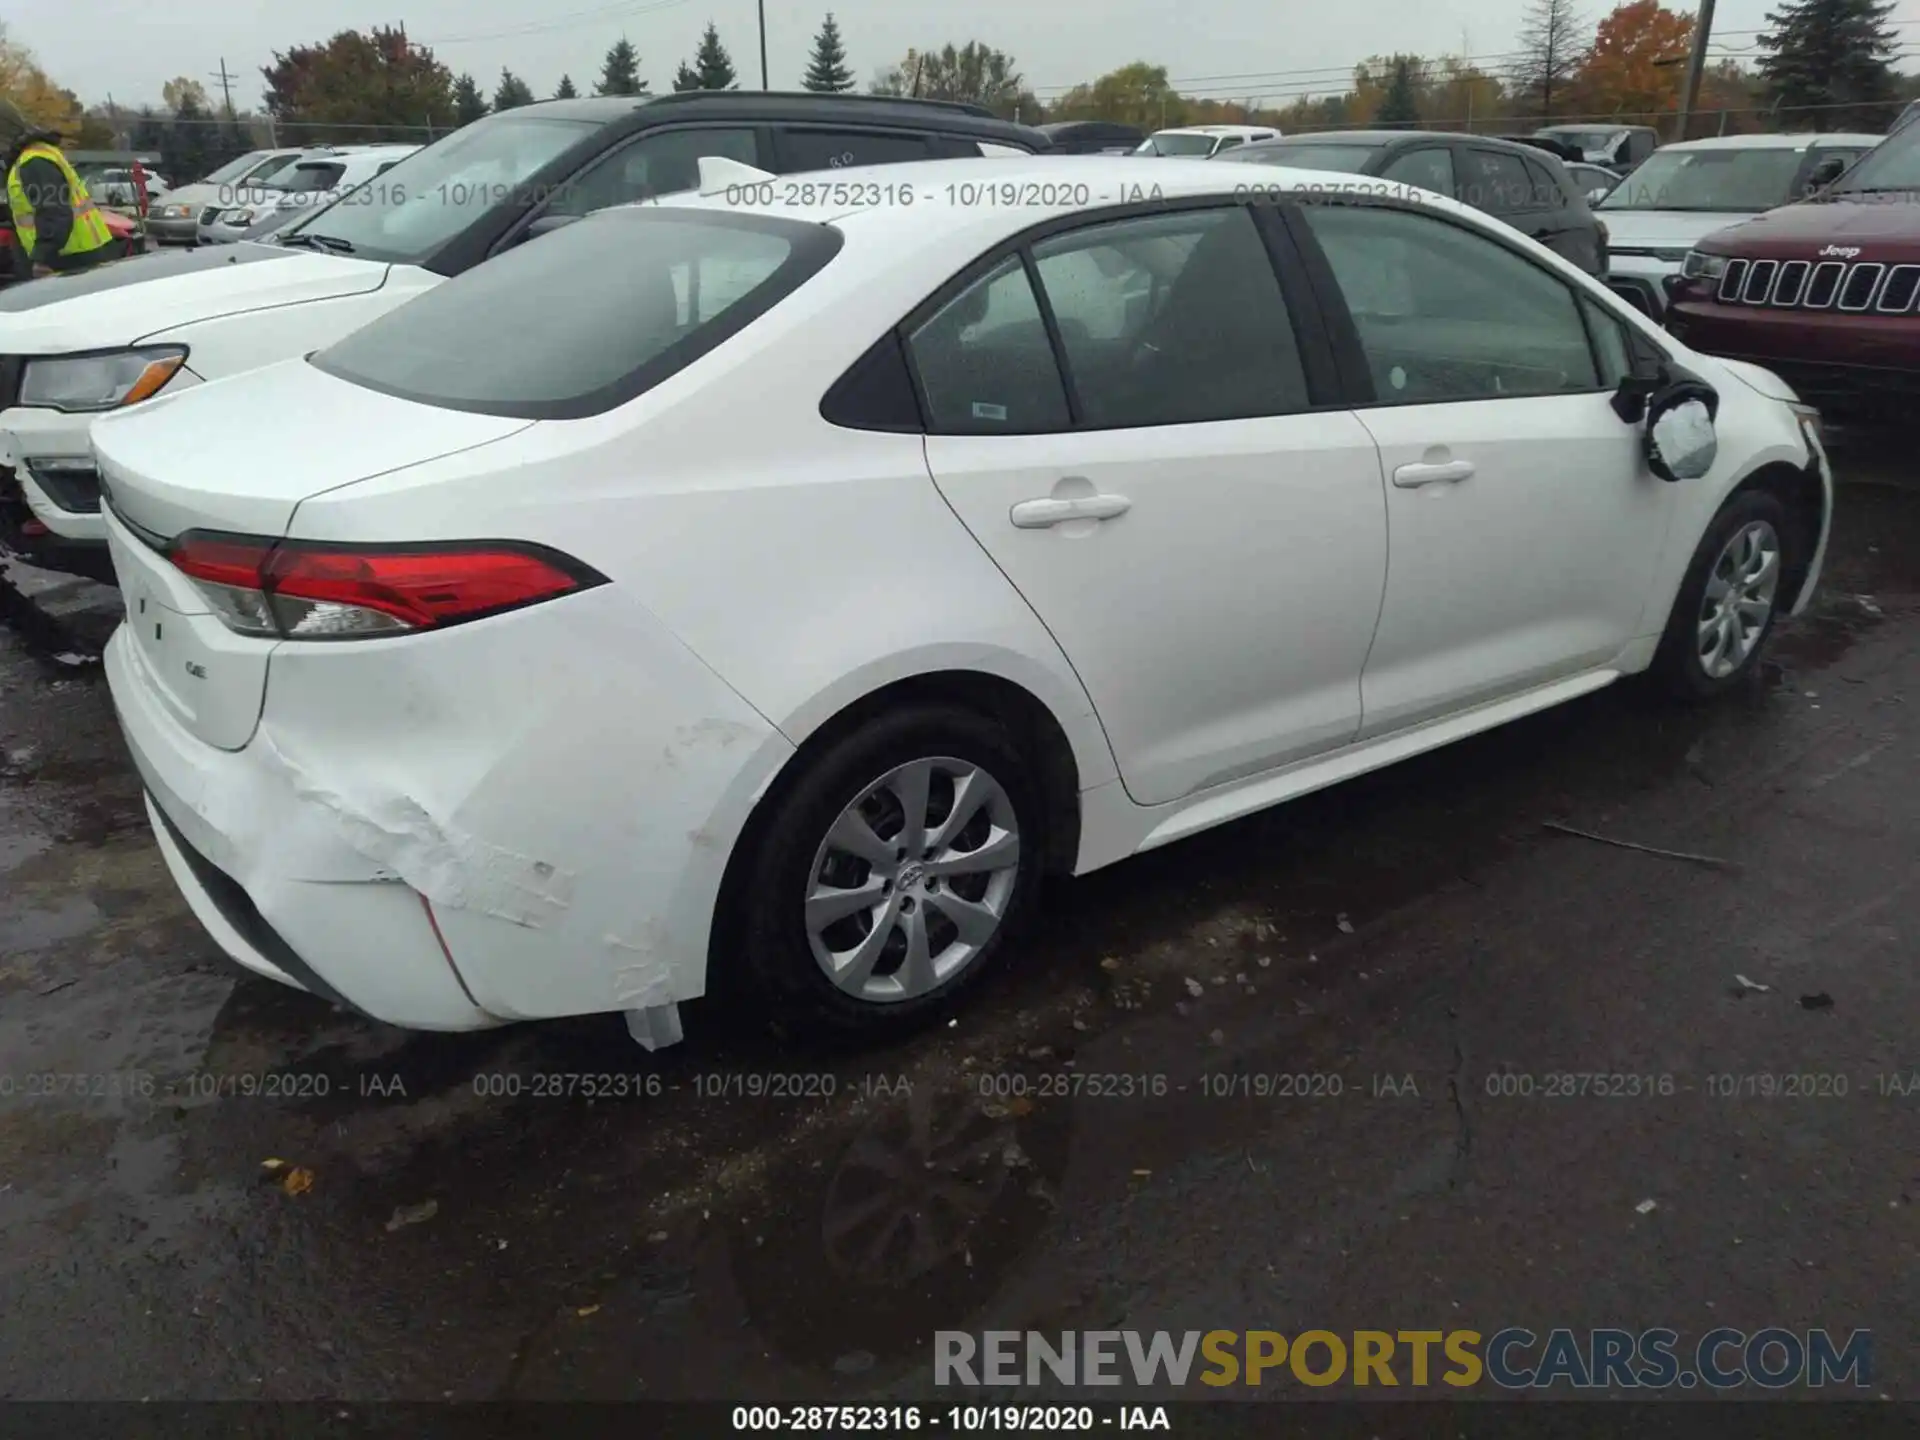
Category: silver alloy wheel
<point>912,880</point>
<point>1739,598</point>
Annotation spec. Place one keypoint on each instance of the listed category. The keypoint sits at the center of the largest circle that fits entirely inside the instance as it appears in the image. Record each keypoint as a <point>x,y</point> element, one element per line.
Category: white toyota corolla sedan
<point>760,591</point>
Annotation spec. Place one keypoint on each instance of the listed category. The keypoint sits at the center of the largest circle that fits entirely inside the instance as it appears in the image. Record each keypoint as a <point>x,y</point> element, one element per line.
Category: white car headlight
<point>1701,266</point>
<point>100,382</point>
<point>237,217</point>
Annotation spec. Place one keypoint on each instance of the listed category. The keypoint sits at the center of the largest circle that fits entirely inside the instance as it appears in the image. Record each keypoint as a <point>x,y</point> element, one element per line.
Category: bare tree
<point>1553,42</point>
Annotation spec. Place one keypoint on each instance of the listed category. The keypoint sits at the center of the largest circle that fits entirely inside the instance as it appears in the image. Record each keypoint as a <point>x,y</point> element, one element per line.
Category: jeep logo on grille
<point>1840,252</point>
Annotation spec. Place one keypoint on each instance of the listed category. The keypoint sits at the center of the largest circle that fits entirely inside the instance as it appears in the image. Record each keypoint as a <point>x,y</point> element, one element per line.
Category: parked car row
<point>547,687</point>
<point>1825,292</point>
<point>306,186</point>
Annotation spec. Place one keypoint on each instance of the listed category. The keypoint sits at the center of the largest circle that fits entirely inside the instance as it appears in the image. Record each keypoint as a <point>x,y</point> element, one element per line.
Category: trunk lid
<point>284,433</point>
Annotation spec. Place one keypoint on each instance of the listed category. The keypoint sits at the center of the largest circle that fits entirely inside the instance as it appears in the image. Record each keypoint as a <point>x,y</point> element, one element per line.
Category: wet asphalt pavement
<point>1419,941</point>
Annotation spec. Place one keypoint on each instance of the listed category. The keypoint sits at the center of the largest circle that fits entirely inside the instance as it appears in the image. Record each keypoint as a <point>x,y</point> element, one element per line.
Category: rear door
<point>1497,182</point>
<point>1150,447</point>
<point>1560,219</point>
<point>1430,167</point>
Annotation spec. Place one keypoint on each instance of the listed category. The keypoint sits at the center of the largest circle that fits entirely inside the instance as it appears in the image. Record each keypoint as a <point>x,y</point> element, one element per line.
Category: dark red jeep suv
<point>1824,292</point>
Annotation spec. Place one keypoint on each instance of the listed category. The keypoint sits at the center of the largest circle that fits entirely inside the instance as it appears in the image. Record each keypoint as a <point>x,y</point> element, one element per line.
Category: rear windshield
<point>586,317</point>
<point>1352,159</point>
<point>309,175</point>
<point>1168,143</point>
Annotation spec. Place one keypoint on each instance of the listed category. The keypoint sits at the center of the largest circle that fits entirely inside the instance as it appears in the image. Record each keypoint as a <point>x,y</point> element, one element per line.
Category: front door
<point>1208,551</point>
<point>1523,526</point>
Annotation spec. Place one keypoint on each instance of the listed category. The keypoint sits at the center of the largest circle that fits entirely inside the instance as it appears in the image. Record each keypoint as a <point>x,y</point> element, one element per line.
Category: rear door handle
<point>1039,514</point>
<point>1452,472</point>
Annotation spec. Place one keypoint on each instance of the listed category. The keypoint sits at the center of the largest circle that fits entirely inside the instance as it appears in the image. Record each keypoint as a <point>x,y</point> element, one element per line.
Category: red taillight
<point>306,590</point>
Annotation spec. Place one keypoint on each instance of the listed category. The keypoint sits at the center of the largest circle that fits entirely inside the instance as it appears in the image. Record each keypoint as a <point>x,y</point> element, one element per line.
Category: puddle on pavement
<point>25,930</point>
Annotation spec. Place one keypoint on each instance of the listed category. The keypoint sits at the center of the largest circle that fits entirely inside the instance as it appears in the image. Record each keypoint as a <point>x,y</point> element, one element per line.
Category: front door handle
<point>1451,472</point>
<point>1040,514</point>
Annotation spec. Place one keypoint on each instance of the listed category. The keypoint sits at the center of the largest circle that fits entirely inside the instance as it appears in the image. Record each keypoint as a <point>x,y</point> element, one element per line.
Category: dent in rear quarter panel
<point>548,778</point>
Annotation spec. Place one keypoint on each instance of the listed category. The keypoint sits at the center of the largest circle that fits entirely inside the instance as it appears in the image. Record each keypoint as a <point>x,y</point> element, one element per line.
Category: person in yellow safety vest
<point>55,222</point>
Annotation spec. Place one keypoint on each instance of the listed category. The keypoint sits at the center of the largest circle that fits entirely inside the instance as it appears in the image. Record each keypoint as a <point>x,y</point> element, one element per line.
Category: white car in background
<point>305,187</point>
<point>1686,191</point>
<point>547,687</point>
<point>1198,142</point>
<point>173,215</point>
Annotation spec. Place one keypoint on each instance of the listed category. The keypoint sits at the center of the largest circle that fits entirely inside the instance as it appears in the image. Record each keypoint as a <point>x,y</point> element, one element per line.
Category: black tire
<point>777,962</point>
<point>1677,667</point>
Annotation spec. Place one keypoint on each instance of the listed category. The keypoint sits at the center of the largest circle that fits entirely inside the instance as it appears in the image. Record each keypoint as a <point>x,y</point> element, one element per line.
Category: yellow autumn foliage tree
<point>23,82</point>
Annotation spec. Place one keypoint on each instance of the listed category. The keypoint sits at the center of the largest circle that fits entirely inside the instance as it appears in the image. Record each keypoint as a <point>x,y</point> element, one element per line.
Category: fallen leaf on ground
<point>297,1181</point>
<point>405,1215</point>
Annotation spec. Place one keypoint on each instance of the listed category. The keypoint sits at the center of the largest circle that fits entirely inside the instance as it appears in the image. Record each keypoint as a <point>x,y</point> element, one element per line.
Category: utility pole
<point>1696,64</point>
<point>763,45</point>
<point>226,87</point>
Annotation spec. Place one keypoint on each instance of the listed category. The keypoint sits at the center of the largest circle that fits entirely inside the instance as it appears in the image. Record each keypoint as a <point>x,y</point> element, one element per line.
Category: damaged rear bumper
<point>525,817</point>
<point>278,893</point>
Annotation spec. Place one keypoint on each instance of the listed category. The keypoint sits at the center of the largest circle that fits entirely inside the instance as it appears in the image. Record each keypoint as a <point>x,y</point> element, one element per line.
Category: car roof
<point>870,196</point>
<point>1218,130</point>
<point>1604,127</point>
<point>1798,141</point>
<point>955,116</point>
<point>1394,137</point>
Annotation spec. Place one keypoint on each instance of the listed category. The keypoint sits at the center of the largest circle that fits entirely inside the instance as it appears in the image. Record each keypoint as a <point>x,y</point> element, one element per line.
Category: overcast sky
<point>1234,49</point>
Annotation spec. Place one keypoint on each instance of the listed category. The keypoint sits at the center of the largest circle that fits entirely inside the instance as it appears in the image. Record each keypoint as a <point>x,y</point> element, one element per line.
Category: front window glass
<point>1736,181</point>
<point>436,193</point>
<point>1891,167</point>
<point>1444,313</point>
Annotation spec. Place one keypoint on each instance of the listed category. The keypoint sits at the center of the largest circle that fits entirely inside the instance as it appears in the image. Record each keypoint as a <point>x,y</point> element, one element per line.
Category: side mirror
<point>1826,172</point>
<point>1680,443</point>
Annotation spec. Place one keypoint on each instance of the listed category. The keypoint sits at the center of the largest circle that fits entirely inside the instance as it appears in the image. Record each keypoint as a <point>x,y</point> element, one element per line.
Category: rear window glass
<point>1351,159</point>
<point>587,317</point>
<point>308,176</point>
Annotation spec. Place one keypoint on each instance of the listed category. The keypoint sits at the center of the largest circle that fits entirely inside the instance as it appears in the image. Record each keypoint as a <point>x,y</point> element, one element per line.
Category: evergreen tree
<point>1826,63</point>
<point>620,72</point>
<point>713,63</point>
<point>687,78</point>
<point>468,103</point>
<point>1398,106</point>
<point>512,92</point>
<point>827,70</point>
<point>566,90</point>
<point>1552,47</point>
